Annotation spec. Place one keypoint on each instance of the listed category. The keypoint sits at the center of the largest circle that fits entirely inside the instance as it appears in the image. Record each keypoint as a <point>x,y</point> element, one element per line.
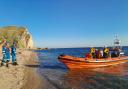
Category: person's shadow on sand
<point>53,67</point>
<point>33,66</point>
<point>46,66</point>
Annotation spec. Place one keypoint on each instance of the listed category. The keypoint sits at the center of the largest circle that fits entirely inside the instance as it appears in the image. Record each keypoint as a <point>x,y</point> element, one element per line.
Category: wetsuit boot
<point>15,63</point>
<point>7,63</point>
<point>2,62</point>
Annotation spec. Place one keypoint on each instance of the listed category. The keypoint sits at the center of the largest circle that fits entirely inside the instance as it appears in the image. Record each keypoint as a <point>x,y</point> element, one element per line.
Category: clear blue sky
<point>68,23</point>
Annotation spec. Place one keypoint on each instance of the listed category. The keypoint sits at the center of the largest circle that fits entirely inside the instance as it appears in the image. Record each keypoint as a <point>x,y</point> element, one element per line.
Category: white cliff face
<point>30,43</point>
<point>26,39</point>
<point>18,34</point>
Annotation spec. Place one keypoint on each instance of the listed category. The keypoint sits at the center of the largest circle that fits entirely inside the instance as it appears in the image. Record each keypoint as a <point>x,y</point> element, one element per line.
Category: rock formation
<point>20,35</point>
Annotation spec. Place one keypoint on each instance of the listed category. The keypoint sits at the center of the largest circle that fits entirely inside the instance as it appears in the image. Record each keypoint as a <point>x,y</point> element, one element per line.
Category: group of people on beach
<point>103,53</point>
<point>8,52</point>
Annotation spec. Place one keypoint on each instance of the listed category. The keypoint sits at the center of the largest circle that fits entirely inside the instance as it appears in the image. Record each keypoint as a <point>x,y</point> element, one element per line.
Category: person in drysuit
<point>92,52</point>
<point>106,52</point>
<point>13,53</point>
<point>6,54</point>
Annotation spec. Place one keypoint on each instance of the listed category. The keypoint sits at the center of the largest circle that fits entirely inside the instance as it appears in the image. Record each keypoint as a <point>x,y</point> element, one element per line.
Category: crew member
<point>92,51</point>
<point>106,52</point>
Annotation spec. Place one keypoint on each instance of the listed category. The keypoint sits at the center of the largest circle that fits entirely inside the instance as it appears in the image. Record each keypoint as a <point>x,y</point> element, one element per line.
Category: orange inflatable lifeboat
<point>75,62</point>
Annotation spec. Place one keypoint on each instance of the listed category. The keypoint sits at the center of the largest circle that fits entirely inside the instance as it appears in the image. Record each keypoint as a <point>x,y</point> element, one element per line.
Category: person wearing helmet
<point>106,52</point>
<point>92,51</point>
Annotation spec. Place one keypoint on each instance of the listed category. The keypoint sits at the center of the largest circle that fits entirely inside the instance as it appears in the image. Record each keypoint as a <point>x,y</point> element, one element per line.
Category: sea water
<point>56,73</point>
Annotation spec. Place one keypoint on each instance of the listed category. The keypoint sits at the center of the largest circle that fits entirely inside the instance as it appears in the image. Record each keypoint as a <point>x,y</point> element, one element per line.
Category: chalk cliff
<point>18,34</point>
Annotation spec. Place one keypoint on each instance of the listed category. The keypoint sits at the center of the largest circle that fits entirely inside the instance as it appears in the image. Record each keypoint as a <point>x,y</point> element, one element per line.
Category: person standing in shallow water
<point>6,54</point>
<point>13,53</point>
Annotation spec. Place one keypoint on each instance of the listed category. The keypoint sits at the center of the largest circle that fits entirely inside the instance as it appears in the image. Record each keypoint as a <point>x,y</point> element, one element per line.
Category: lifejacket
<point>106,50</point>
<point>92,50</point>
<point>88,55</point>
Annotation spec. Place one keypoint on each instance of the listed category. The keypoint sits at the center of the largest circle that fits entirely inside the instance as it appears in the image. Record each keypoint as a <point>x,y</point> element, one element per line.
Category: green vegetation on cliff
<point>18,34</point>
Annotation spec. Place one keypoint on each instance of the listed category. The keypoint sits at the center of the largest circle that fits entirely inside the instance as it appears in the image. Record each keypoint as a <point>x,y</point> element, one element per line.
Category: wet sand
<point>24,75</point>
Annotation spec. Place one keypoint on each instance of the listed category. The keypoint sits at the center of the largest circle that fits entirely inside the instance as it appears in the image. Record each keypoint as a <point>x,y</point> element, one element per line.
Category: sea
<point>60,77</point>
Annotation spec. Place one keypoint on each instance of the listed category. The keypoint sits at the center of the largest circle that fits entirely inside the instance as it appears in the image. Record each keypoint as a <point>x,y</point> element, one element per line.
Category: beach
<point>22,76</point>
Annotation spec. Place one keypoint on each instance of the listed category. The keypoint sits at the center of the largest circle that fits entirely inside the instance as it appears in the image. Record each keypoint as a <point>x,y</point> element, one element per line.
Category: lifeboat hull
<point>74,62</point>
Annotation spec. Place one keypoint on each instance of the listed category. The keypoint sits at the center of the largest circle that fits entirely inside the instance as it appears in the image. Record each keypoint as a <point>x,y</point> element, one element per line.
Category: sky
<point>68,23</point>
